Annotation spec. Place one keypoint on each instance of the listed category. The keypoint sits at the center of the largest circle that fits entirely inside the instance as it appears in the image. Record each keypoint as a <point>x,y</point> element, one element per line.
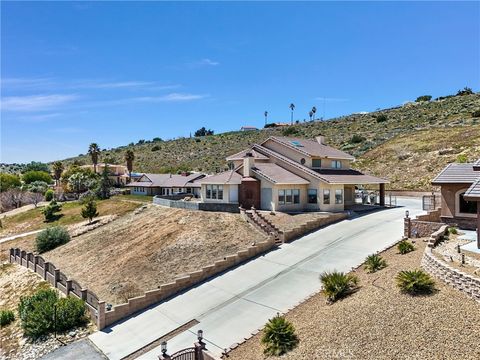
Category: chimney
<point>248,163</point>
<point>320,139</point>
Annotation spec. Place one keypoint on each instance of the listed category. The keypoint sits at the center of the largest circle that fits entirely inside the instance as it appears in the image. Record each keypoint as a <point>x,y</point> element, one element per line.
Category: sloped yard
<point>143,250</point>
<point>378,322</point>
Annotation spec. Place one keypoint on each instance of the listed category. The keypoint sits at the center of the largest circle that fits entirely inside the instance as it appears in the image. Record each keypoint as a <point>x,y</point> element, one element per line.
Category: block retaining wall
<point>193,205</point>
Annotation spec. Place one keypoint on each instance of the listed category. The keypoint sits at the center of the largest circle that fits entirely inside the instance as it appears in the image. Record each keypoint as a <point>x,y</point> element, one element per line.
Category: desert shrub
<point>37,313</point>
<point>465,91</point>
<point>381,118</point>
<point>6,317</point>
<point>452,230</point>
<point>357,139</point>
<point>337,285</point>
<point>374,263</point>
<point>415,282</point>
<point>270,125</point>
<point>70,313</point>
<point>404,247</point>
<point>50,238</point>
<point>279,336</point>
<point>50,211</point>
<point>49,195</point>
<point>476,113</point>
<point>290,130</point>
<point>155,148</point>
<point>462,158</point>
<point>424,98</point>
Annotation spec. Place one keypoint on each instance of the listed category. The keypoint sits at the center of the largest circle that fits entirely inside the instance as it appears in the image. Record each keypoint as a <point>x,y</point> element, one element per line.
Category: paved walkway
<point>16,236</point>
<point>232,306</point>
<point>80,350</point>
<point>22,209</point>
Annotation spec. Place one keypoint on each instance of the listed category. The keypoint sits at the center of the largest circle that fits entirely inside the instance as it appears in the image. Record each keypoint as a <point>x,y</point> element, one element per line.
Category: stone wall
<point>466,283</point>
<point>311,225</point>
<point>60,281</point>
<point>431,216</point>
<point>194,205</point>
<point>417,228</point>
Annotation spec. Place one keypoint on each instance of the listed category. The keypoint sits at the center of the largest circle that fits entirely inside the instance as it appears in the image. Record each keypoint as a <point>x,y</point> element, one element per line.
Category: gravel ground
<point>447,251</point>
<point>378,322</point>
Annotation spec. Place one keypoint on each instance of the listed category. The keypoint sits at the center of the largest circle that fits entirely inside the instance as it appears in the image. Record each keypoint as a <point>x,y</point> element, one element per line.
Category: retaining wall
<point>60,281</point>
<point>417,228</point>
<point>193,205</point>
<point>311,225</point>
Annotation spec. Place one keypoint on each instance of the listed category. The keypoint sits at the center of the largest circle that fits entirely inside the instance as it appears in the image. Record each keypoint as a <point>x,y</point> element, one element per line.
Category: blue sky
<point>113,73</point>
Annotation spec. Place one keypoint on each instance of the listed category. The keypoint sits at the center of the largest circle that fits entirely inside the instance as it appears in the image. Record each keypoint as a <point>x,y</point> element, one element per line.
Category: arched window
<point>465,207</point>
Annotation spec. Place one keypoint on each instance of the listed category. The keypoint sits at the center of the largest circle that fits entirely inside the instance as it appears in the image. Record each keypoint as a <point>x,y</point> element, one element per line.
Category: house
<point>118,174</point>
<point>289,174</point>
<point>460,195</point>
<point>248,128</point>
<point>167,184</point>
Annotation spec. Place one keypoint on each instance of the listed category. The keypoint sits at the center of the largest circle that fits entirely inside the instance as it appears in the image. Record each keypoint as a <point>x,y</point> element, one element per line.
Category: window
<point>326,196</point>
<point>316,163</point>
<point>209,191</point>
<point>296,196</point>
<point>214,192</point>
<point>281,196</point>
<point>220,192</point>
<point>336,164</point>
<point>467,207</point>
<point>312,196</point>
<point>339,196</point>
<point>288,196</point>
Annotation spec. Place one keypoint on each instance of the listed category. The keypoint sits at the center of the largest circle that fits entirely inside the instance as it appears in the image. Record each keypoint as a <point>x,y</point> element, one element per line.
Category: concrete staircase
<point>261,223</point>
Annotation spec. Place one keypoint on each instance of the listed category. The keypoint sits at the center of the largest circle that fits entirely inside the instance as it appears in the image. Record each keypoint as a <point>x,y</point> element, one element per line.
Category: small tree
<point>9,181</point>
<point>50,211</point>
<point>279,336</point>
<point>129,157</point>
<point>89,211</point>
<point>49,195</point>
<point>424,98</point>
<point>465,91</point>
<point>203,132</point>
<point>50,238</point>
<point>36,166</point>
<point>103,191</point>
<point>32,176</point>
<point>57,170</point>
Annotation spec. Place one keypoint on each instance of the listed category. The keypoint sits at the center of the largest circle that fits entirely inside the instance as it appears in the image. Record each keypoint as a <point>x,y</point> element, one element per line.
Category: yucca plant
<point>337,284</point>
<point>405,247</point>
<point>279,336</point>
<point>415,282</point>
<point>374,263</point>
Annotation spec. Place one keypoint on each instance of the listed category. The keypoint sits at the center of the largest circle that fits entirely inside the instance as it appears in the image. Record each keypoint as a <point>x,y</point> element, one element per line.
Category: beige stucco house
<point>289,174</point>
<point>166,184</point>
<point>118,174</point>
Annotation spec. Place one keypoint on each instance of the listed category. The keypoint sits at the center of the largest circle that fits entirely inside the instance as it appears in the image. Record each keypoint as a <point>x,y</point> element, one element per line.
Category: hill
<point>362,135</point>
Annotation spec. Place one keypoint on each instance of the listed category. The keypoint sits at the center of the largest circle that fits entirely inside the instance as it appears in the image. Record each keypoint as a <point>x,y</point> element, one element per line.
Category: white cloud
<point>208,62</point>
<point>173,97</point>
<point>35,102</point>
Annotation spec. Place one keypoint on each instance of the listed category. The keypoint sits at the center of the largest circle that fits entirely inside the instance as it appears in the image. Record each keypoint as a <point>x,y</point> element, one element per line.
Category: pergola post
<point>382,194</point>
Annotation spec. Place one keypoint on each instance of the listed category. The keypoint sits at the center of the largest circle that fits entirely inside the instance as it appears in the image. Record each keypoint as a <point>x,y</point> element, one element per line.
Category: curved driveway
<point>232,306</point>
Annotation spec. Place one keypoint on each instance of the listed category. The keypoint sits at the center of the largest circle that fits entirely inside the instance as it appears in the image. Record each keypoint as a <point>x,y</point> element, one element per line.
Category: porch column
<point>382,194</point>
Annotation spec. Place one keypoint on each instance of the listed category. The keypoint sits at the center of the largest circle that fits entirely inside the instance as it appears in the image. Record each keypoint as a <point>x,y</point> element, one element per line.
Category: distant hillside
<point>208,153</point>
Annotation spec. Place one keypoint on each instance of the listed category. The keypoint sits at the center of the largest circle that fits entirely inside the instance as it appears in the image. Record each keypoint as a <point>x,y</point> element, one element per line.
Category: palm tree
<point>57,170</point>
<point>292,107</point>
<point>266,115</point>
<point>314,110</point>
<point>129,157</point>
<point>310,114</point>
<point>94,151</point>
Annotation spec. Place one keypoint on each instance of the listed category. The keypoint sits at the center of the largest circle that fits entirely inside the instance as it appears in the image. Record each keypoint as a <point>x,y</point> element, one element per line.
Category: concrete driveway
<point>230,307</point>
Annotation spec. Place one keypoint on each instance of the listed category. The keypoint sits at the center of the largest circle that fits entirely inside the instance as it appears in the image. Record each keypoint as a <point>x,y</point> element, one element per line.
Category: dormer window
<point>316,163</point>
<point>336,164</point>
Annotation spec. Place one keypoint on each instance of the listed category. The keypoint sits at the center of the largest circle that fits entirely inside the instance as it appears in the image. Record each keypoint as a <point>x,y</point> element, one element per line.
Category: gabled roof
<point>166,180</point>
<point>350,176</point>
<point>230,177</point>
<point>473,192</point>
<point>456,174</point>
<point>310,148</point>
<point>476,165</point>
<point>278,175</point>
<point>240,155</point>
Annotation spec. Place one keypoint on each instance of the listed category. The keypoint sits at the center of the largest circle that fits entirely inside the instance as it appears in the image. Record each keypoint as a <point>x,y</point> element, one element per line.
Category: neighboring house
<point>248,128</point>
<point>166,184</point>
<point>460,191</point>
<point>118,173</point>
<point>289,174</point>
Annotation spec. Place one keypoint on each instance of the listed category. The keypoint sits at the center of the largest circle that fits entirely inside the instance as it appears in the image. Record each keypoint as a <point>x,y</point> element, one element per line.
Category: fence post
<point>83,293</point>
<point>35,262</point>
<point>56,276</point>
<point>101,315</point>
<point>46,265</point>
<point>68,286</point>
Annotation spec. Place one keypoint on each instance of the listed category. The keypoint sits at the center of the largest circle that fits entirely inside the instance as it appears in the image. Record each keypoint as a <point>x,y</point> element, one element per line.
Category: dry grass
<point>141,251</point>
<point>378,322</point>
<point>285,221</point>
<point>33,219</point>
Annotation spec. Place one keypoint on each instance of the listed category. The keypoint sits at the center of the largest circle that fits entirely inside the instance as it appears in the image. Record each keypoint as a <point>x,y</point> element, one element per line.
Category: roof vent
<point>249,154</point>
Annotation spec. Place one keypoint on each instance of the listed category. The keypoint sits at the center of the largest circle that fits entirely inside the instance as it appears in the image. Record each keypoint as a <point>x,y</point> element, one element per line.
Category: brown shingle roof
<point>167,180</point>
<point>277,174</point>
<point>311,148</point>
<point>227,177</point>
<point>473,192</point>
<point>456,174</point>
<point>240,155</point>
<point>350,176</point>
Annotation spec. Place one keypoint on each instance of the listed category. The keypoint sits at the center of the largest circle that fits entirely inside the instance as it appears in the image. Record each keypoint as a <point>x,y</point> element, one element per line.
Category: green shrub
<point>462,158</point>
<point>356,139</point>
<point>6,317</point>
<point>31,176</point>
<point>452,230</point>
<point>37,313</point>
<point>337,284</point>
<point>155,148</point>
<point>415,282</point>
<point>424,98</point>
<point>70,313</point>
<point>50,238</point>
<point>89,211</point>
<point>8,181</point>
<point>465,91</point>
<point>279,336</point>
<point>374,263</point>
<point>50,211</point>
<point>49,195</point>
<point>404,247</point>
<point>476,113</point>
<point>289,130</point>
<point>381,118</point>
